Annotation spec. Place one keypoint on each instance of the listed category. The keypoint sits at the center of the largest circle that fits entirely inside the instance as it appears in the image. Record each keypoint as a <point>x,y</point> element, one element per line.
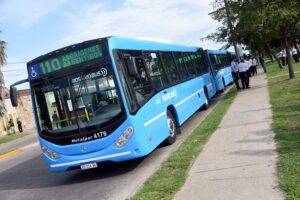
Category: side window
<point>202,64</point>
<point>196,64</point>
<point>170,67</point>
<point>214,61</point>
<point>180,65</point>
<point>155,70</point>
<point>140,81</point>
<point>189,64</point>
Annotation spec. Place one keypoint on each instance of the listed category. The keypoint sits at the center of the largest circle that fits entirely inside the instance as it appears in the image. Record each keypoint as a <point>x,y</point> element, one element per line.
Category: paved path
<point>239,160</point>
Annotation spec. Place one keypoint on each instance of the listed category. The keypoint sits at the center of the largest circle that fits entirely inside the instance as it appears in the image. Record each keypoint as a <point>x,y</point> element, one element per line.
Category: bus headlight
<point>52,154</point>
<point>123,139</point>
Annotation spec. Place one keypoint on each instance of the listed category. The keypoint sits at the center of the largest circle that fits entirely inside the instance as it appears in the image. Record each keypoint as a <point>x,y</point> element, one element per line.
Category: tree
<point>2,87</point>
<point>259,24</point>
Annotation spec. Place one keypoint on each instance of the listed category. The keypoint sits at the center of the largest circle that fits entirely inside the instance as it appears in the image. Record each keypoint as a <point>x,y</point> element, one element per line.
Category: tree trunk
<point>270,52</point>
<point>287,45</point>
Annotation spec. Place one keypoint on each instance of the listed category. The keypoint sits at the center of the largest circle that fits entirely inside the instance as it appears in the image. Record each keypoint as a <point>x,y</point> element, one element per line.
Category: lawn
<point>7,138</point>
<point>172,174</point>
<point>285,102</point>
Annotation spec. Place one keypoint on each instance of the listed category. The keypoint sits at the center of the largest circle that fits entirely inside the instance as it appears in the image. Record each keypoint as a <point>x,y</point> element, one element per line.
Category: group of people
<point>11,126</point>
<point>282,56</point>
<point>243,70</point>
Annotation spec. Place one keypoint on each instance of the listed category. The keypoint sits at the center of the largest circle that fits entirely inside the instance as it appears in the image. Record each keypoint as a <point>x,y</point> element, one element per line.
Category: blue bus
<point>114,98</point>
<point>220,64</point>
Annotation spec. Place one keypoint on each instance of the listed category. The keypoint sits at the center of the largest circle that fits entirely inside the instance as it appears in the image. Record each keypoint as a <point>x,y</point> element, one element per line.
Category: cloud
<point>27,13</point>
<point>177,21</point>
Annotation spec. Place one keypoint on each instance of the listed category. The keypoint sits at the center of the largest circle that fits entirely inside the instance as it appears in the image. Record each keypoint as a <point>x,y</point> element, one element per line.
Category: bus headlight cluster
<point>123,139</point>
<point>52,154</point>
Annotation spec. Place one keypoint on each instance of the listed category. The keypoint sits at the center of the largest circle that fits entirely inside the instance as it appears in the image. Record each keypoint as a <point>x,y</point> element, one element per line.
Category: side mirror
<point>131,66</point>
<point>13,96</point>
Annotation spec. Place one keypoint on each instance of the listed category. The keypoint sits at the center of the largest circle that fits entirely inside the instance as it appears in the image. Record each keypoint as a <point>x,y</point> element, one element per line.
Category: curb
<point>18,143</point>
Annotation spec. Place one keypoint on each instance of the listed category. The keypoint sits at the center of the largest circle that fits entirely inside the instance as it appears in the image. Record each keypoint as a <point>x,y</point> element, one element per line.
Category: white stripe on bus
<point>187,98</point>
<point>154,118</point>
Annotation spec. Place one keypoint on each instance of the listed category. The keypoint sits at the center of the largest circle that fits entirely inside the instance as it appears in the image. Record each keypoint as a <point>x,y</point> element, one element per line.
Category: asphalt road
<point>26,176</point>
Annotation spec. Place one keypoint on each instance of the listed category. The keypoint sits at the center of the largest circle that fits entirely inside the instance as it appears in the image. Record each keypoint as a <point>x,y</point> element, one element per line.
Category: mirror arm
<point>19,82</point>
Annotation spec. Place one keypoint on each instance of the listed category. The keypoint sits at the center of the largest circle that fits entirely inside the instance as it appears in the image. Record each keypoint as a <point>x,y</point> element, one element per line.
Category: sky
<point>34,27</point>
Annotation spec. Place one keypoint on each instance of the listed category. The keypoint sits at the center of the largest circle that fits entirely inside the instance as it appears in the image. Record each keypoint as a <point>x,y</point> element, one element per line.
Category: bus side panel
<point>227,75</point>
<point>209,83</point>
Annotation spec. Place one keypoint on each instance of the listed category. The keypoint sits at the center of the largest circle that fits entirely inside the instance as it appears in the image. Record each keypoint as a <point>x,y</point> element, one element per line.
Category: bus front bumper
<point>60,166</point>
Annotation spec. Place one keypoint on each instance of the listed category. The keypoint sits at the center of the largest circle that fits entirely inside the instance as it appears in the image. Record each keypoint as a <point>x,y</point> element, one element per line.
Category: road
<point>25,176</point>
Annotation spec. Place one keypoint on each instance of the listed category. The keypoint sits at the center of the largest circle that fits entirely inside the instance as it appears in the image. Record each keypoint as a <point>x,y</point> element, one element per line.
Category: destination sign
<point>65,61</point>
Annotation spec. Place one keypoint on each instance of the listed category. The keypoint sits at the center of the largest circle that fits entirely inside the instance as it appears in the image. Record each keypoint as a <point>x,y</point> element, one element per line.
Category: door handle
<point>165,92</point>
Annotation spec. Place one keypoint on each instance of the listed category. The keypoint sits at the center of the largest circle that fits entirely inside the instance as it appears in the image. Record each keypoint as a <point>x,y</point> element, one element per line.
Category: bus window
<point>180,65</point>
<point>170,67</point>
<point>195,63</point>
<point>141,83</point>
<point>201,63</point>
<point>155,71</point>
<point>189,63</point>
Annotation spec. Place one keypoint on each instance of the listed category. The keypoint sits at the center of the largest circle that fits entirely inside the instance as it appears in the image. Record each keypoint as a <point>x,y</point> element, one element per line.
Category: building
<point>23,111</point>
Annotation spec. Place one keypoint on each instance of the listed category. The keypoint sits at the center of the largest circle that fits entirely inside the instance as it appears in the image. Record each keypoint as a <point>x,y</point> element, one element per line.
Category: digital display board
<point>65,61</point>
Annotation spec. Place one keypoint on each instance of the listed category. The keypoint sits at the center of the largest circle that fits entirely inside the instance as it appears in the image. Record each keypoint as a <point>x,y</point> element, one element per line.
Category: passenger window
<point>155,70</point>
<point>189,63</point>
<point>141,83</point>
<point>170,67</point>
<point>181,65</point>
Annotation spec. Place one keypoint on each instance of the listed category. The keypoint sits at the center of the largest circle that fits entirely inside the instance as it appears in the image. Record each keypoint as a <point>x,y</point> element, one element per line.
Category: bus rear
<point>80,115</point>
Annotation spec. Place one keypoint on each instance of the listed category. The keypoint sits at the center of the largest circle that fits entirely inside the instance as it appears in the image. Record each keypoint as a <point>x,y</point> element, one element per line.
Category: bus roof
<point>116,42</point>
<point>139,44</point>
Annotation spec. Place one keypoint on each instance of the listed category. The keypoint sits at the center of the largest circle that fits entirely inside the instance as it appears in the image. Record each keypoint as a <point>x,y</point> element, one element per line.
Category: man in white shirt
<point>253,68</point>
<point>295,55</point>
<point>242,68</point>
<point>235,73</point>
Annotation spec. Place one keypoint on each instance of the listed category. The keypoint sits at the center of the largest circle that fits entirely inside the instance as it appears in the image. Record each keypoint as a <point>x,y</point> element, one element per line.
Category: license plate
<point>88,165</point>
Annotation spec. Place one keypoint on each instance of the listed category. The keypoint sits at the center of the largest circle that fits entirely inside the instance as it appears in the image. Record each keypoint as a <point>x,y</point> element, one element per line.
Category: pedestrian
<point>242,68</point>
<point>295,55</point>
<point>283,57</point>
<point>254,67</point>
<point>248,64</point>
<point>11,126</point>
<point>20,128</point>
<point>235,73</point>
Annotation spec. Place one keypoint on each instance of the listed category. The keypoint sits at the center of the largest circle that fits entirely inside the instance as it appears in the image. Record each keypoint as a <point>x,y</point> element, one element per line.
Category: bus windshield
<point>76,101</point>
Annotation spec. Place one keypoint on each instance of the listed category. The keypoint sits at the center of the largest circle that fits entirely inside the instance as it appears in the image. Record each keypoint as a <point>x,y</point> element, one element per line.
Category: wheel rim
<point>171,126</point>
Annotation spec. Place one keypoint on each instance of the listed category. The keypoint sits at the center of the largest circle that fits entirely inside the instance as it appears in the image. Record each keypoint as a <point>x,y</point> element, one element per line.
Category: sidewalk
<point>239,160</point>
<point>21,142</point>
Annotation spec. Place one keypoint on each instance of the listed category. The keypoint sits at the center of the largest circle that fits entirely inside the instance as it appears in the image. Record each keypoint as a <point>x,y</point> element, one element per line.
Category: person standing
<point>294,53</point>
<point>235,73</point>
<point>242,68</point>
<point>254,66</point>
<point>19,123</point>
<point>248,65</point>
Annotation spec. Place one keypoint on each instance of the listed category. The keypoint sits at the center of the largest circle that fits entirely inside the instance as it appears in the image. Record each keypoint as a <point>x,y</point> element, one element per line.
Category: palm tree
<point>2,87</point>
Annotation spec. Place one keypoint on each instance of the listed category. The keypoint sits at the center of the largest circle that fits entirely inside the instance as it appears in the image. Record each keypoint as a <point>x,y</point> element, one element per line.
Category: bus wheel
<point>172,128</point>
<point>206,103</point>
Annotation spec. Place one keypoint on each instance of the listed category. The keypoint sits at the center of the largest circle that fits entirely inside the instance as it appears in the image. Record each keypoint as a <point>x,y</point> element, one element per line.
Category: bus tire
<point>172,129</point>
<point>206,102</point>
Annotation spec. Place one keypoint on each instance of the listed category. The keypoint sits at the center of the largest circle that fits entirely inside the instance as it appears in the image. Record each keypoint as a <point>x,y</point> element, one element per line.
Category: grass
<point>8,138</point>
<point>172,174</point>
<point>285,102</point>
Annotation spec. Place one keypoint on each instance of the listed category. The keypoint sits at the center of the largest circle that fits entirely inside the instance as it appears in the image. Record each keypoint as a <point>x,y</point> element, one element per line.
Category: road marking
<point>10,154</point>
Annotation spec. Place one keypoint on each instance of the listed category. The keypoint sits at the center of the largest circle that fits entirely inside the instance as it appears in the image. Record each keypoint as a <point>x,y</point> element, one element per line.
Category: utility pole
<point>231,29</point>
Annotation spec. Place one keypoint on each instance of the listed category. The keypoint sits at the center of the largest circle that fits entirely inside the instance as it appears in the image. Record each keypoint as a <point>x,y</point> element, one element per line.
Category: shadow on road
<point>34,174</point>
